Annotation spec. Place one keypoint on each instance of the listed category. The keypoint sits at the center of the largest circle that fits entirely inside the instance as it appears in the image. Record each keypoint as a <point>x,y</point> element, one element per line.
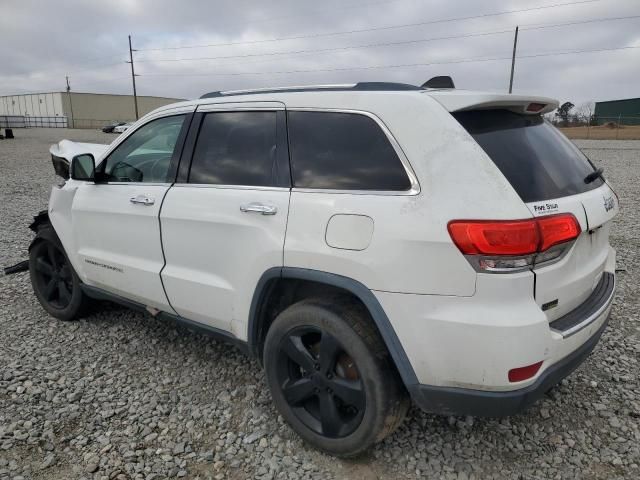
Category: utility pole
<point>513,60</point>
<point>73,123</point>
<point>133,77</point>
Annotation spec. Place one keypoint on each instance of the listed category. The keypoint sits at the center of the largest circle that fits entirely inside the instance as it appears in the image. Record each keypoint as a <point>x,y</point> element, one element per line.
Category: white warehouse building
<point>75,109</point>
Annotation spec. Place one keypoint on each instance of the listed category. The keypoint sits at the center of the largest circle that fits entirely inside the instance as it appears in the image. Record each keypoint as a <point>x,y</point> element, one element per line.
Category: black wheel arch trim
<point>42,218</point>
<point>355,287</point>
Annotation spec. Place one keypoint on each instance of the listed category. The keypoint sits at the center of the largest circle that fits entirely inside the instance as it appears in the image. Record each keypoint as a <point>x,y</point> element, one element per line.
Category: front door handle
<point>142,200</point>
<point>259,208</point>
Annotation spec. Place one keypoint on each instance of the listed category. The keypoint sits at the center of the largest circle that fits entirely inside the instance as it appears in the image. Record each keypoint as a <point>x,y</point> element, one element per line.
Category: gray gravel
<point>121,395</point>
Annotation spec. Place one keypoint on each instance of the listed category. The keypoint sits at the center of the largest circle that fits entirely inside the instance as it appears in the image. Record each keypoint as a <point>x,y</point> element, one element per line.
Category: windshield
<point>538,160</point>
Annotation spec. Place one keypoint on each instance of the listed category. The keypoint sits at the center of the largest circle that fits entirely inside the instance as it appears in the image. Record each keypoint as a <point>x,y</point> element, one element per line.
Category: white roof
<point>348,96</point>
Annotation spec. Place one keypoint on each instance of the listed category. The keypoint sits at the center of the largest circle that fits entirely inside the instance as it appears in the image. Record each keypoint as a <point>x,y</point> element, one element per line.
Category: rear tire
<point>331,377</point>
<point>55,283</point>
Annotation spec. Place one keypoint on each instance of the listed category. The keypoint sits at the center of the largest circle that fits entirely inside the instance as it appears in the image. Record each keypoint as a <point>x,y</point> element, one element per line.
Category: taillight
<point>557,229</point>
<point>505,245</point>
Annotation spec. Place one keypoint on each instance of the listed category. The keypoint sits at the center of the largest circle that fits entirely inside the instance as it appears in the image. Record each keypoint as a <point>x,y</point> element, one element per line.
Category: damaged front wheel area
<point>53,279</point>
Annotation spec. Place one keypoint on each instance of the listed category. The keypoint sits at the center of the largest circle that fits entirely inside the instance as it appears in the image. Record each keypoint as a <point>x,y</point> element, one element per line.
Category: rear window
<point>343,151</point>
<point>538,160</point>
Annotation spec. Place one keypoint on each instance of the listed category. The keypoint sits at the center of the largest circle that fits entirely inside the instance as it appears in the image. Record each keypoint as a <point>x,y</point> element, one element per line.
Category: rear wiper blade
<point>597,173</point>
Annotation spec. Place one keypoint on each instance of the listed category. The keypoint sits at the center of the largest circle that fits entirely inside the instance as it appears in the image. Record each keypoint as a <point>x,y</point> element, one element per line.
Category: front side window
<point>236,148</point>
<point>146,154</point>
<point>343,151</point>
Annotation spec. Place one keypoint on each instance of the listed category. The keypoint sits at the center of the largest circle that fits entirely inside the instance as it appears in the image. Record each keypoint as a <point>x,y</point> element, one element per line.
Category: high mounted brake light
<point>535,107</point>
<point>505,245</point>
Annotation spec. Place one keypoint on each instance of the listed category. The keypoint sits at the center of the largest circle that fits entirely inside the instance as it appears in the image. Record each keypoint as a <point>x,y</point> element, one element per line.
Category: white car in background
<point>122,128</point>
<point>368,244</point>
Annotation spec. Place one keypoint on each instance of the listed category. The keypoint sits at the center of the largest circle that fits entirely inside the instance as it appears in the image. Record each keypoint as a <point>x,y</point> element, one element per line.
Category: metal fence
<point>12,121</point>
<point>603,128</point>
<point>28,121</point>
<point>46,122</point>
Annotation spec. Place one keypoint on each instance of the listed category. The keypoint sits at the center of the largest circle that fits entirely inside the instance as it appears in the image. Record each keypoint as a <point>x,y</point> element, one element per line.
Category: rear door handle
<point>142,200</point>
<point>259,208</point>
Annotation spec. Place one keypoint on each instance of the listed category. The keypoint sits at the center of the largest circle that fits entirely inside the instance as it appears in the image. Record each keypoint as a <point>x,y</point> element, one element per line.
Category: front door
<point>224,225</point>
<point>116,221</point>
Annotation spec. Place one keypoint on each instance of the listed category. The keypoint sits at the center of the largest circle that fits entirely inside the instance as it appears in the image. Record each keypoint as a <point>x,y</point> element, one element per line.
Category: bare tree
<point>585,112</point>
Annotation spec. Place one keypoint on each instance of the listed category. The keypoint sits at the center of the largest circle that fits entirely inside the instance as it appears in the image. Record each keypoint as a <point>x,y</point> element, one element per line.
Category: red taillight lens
<point>513,237</point>
<point>495,238</point>
<point>524,373</point>
<point>557,229</point>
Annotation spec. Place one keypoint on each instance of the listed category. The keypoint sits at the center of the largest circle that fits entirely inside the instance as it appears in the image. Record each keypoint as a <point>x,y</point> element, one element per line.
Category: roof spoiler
<point>442,81</point>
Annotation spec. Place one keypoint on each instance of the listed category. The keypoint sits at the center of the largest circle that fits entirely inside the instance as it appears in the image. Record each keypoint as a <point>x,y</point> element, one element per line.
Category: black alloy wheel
<point>331,377</point>
<point>320,382</point>
<point>53,277</point>
<point>54,281</point>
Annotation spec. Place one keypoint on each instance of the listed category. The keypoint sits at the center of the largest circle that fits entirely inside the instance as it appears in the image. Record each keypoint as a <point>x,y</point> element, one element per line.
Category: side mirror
<point>83,167</point>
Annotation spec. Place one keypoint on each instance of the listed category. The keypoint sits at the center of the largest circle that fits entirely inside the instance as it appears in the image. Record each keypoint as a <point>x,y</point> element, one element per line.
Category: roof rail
<point>361,86</point>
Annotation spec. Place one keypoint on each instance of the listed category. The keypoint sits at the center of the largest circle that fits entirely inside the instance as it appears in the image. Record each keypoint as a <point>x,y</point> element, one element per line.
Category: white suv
<point>368,243</point>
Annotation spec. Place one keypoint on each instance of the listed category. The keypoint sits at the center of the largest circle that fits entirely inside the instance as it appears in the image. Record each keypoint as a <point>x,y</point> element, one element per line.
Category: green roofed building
<point>624,112</point>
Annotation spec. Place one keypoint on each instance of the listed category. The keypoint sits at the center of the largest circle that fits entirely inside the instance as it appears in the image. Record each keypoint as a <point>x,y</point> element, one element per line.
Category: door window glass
<point>146,154</point>
<point>236,148</point>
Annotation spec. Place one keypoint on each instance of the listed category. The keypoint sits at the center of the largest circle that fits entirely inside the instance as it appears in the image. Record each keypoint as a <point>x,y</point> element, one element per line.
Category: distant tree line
<point>568,115</point>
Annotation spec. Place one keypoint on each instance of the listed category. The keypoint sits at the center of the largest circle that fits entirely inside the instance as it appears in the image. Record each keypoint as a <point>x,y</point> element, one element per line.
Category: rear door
<point>550,174</point>
<point>223,222</point>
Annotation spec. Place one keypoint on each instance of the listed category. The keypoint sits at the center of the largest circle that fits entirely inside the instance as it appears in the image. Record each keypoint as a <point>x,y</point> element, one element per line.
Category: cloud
<point>44,41</point>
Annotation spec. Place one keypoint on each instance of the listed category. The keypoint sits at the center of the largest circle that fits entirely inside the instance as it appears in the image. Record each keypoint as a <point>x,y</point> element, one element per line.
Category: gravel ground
<point>121,395</point>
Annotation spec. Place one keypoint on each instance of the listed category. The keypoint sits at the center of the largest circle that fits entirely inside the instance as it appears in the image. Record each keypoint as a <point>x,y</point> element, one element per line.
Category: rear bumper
<point>461,401</point>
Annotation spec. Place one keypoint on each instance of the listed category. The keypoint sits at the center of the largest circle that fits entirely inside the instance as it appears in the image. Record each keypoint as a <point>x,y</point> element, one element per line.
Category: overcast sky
<point>42,41</point>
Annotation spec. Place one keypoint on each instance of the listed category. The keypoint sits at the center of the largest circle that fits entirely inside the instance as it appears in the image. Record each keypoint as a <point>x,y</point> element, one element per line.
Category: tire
<point>345,402</point>
<point>54,281</point>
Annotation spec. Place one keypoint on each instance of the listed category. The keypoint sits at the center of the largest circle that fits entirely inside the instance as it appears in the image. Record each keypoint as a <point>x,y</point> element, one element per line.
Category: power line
<point>536,26</point>
<point>375,29</point>
<point>372,67</point>
<point>331,49</point>
<point>385,44</point>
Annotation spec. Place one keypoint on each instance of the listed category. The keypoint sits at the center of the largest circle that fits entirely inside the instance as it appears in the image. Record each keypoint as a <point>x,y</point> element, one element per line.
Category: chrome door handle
<point>259,208</point>
<point>142,200</point>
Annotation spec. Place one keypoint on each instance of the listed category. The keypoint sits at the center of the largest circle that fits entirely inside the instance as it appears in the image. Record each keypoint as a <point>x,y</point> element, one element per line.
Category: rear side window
<point>343,151</point>
<point>538,161</point>
<point>235,148</point>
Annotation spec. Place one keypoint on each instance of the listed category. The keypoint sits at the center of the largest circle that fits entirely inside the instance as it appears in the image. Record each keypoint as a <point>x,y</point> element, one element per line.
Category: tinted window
<point>538,161</point>
<point>236,148</point>
<point>342,151</point>
<point>146,154</point>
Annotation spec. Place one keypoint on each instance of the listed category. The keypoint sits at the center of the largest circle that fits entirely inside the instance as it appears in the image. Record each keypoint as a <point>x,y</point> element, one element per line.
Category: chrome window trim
<point>236,187</point>
<point>145,184</point>
<point>413,179</point>
<point>274,106</point>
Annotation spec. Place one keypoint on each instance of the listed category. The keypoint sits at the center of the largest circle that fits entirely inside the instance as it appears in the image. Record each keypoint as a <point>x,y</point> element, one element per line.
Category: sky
<point>179,45</point>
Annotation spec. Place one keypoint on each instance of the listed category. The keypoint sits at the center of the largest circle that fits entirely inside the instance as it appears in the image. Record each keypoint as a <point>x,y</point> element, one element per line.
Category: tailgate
<point>563,286</point>
<point>551,176</point>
